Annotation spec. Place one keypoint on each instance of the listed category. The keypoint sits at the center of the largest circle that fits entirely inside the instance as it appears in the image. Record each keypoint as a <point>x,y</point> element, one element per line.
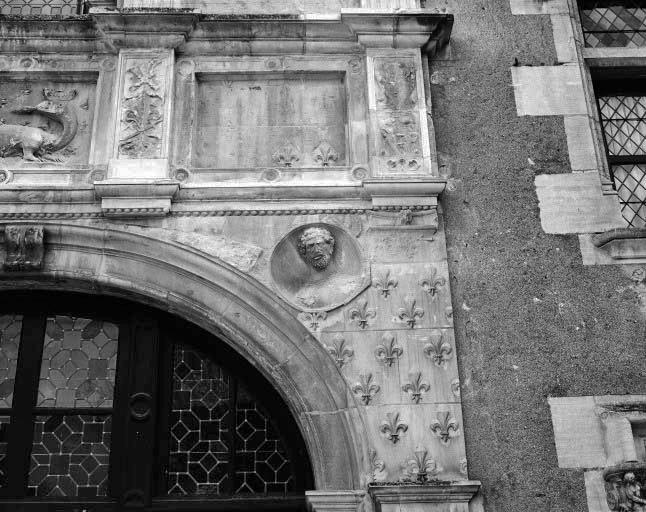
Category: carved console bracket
<point>136,199</point>
<point>23,247</point>
<point>431,497</point>
<point>404,197</point>
<point>627,245</point>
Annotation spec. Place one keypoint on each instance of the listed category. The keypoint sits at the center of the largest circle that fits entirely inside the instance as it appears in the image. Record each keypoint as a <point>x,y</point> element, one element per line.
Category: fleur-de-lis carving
<point>431,284</point>
<point>339,351</point>
<point>312,318</point>
<point>287,155</point>
<point>411,312</point>
<point>438,350</point>
<point>384,283</point>
<point>392,426</point>
<point>445,427</point>
<point>377,467</point>
<point>416,387</point>
<point>324,154</point>
<point>388,351</point>
<point>421,468</point>
<point>361,313</point>
<point>365,388</point>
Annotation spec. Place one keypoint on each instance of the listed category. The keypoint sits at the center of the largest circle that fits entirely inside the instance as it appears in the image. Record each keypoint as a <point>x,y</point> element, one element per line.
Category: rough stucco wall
<point>531,321</point>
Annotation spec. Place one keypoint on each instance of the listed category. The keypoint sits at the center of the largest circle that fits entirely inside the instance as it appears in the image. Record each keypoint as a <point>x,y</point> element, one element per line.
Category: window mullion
<point>21,428</point>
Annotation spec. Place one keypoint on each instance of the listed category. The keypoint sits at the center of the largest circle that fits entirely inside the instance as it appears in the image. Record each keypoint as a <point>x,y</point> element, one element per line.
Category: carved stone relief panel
<point>397,104</point>
<point>318,267</point>
<point>282,120</point>
<point>45,121</point>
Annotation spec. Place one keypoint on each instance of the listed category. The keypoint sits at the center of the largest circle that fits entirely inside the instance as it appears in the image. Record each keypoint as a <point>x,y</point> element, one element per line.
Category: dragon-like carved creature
<point>36,143</point>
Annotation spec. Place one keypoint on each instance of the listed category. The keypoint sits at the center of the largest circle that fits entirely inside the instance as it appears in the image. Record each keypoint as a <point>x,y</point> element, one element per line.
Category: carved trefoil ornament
<point>438,350</point>
<point>341,353</point>
<point>416,386</point>
<point>361,313</point>
<point>445,426</point>
<point>325,155</point>
<point>142,108</point>
<point>384,283</point>
<point>366,389</point>
<point>410,313</point>
<point>388,351</point>
<point>420,468</point>
<point>392,427</point>
<point>431,284</point>
<point>38,143</point>
<point>24,248</point>
<point>287,155</point>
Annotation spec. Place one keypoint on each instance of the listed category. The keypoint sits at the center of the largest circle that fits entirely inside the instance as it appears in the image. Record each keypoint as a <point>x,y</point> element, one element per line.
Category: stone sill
<point>461,491</point>
<point>606,57</point>
<point>622,243</point>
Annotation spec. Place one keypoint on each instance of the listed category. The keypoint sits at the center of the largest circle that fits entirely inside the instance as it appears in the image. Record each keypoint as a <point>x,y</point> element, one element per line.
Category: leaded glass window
<point>109,406</point>
<point>613,23</point>
<point>622,110</point>
<point>40,7</point>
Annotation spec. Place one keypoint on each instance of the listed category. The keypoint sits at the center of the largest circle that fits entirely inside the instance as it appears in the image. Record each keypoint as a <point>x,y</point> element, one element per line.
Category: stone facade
<point>377,203</point>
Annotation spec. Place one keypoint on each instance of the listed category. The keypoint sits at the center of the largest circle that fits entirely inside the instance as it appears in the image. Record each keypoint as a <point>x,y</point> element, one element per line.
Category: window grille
<point>623,118</point>
<point>613,23</point>
<point>41,7</point>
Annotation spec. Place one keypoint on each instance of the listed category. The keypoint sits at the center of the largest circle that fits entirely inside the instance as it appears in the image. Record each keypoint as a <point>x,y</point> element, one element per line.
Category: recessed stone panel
<point>270,120</point>
<point>45,121</point>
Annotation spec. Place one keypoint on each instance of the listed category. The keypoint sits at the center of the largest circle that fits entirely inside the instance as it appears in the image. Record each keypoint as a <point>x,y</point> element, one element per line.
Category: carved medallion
<point>318,267</point>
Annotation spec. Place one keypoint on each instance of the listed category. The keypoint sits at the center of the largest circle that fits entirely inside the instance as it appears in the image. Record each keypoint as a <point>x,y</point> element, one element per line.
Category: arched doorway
<point>106,404</point>
<point>151,269</point>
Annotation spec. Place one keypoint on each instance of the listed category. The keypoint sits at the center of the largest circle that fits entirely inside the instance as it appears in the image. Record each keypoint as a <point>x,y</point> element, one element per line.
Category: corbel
<point>23,248</point>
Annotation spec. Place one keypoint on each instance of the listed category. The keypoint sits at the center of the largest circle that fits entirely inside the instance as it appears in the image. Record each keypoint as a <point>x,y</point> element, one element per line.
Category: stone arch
<point>231,305</point>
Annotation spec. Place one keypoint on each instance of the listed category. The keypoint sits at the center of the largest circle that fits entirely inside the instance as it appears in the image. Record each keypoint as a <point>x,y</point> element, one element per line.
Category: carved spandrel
<point>23,248</point>
<point>142,108</point>
<point>45,121</point>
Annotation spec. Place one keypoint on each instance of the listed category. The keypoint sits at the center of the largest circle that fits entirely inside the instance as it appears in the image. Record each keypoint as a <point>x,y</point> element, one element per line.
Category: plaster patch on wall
<point>549,90</point>
<point>573,203</point>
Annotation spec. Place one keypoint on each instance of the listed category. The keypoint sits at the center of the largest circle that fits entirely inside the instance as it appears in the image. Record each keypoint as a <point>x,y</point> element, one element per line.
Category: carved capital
<point>23,247</point>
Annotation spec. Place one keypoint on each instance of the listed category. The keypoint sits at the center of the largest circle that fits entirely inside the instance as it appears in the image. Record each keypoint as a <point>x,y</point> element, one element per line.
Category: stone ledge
<point>622,243</point>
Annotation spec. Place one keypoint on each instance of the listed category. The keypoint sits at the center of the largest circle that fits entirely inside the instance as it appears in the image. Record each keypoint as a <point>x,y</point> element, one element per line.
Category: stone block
<point>595,491</point>
<point>578,433</point>
<point>564,39</point>
<point>549,90</point>
<point>580,143</point>
<point>539,7</point>
<point>573,203</point>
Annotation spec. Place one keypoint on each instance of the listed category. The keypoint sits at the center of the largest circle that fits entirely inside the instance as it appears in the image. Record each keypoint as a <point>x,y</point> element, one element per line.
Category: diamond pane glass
<point>40,7</point>
<point>630,182</point>
<point>70,456</point>
<point>624,124</point>
<point>79,363</point>
<point>613,23</point>
<point>4,430</point>
<point>10,328</point>
<point>200,437</point>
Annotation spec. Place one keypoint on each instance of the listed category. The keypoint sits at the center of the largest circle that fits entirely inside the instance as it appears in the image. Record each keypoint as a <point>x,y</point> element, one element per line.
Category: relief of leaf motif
<point>445,426</point>
<point>438,350</point>
<point>141,114</point>
<point>339,351</point>
<point>411,312</point>
<point>365,388</point>
<point>416,386</point>
<point>361,313</point>
<point>287,155</point>
<point>432,284</point>
<point>392,426</point>
<point>421,468</point>
<point>388,352</point>
<point>384,284</point>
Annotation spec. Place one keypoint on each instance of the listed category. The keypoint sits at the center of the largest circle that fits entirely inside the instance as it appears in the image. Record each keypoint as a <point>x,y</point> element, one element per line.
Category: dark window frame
<point>143,333</point>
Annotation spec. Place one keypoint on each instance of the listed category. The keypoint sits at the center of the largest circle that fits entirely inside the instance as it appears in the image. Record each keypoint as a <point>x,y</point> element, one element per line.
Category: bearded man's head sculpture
<point>316,246</point>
